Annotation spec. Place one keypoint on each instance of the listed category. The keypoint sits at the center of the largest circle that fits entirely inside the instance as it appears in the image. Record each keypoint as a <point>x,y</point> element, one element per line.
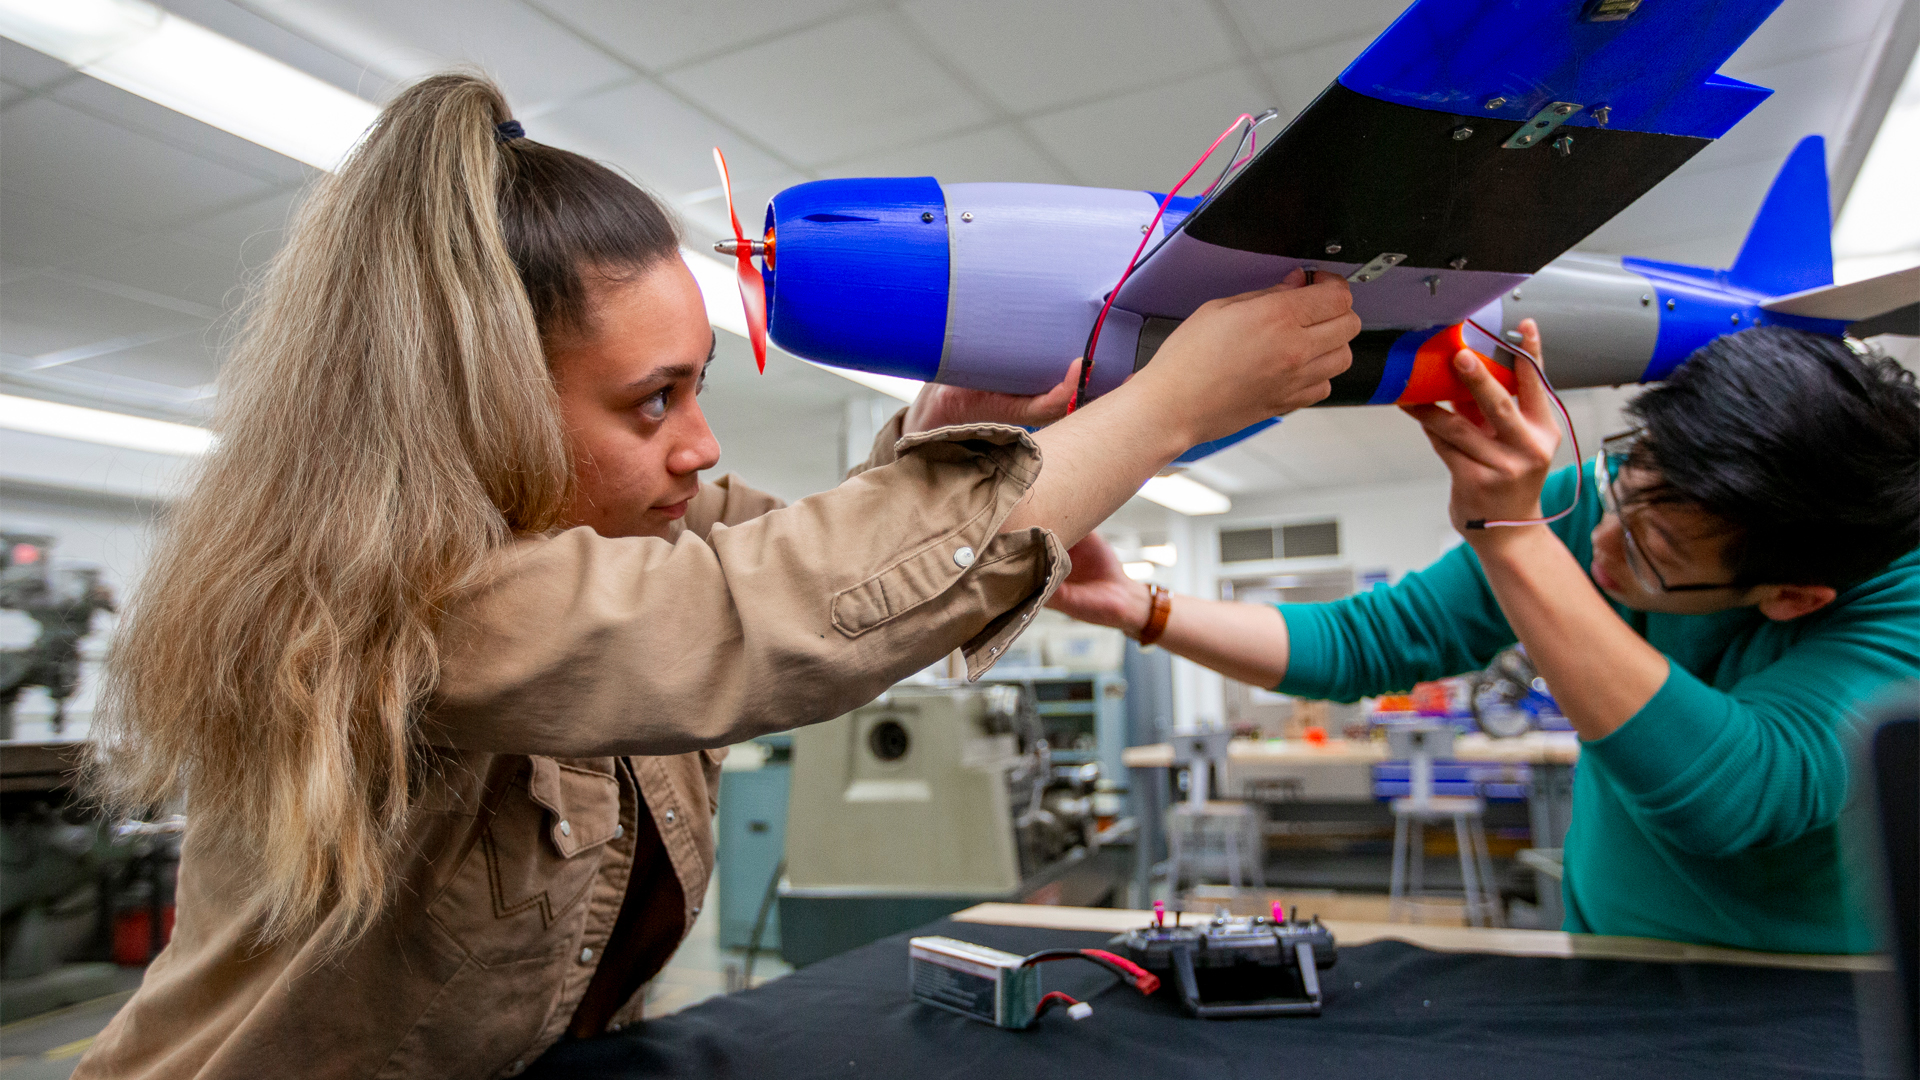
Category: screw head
<point>968,216</point>
<point>1462,133</point>
<point>1495,102</point>
<point>1526,139</point>
<point>1601,114</point>
<point>1645,299</point>
<point>1516,294</point>
<point>1564,145</point>
<point>1459,262</point>
<point>926,215</point>
<point>1671,305</point>
<point>1562,110</point>
<point>1736,319</point>
<point>1333,247</point>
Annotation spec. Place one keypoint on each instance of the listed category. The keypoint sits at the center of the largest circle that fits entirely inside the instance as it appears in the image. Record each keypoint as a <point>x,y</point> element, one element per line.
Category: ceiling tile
<point>134,113</point>
<point>833,92</point>
<point>1811,96</point>
<point>1284,27</point>
<point>656,137</point>
<point>536,61</point>
<point>40,314</point>
<point>1147,139</point>
<point>30,69</point>
<point>34,232</point>
<point>1801,27</point>
<point>253,231</point>
<point>1707,210</point>
<point>1303,73</point>
<point>1034,57</point>
<point>662,33</point>
<point>177,265</point>
<point>185,362</point>
<point>67,157</point>
<point>997,153</point>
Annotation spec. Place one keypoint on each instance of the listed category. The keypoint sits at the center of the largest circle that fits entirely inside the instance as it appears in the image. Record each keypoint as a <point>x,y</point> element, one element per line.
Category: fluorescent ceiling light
<point>1185,496</point>
<point>720,290</point>
<point>186,67</point>
<point>1162,554</point>
<point>1138,571</point>
<point>38,417</point>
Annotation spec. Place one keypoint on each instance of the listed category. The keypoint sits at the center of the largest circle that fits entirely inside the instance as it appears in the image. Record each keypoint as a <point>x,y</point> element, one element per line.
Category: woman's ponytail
<point>386,423</point>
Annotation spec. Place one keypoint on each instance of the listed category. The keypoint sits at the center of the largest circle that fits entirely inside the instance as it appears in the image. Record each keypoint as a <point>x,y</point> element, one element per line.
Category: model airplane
<point>1446,173</point>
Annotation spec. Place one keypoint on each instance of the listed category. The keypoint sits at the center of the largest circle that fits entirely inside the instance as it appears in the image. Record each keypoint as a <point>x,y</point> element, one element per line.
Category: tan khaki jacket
<point>585,667</point>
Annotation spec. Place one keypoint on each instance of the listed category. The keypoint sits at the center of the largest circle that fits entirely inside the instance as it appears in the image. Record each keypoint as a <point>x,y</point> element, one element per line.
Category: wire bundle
<point>1245,123</point>
<point>1129,972</point>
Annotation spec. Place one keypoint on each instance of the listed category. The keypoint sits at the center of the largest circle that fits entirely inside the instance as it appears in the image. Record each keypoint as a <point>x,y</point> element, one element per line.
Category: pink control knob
<point>1160,912</point>
<point>1279,916</point>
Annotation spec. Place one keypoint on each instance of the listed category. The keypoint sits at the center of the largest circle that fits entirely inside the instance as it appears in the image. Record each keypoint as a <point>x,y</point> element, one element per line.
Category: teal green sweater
<point>1710,815</point>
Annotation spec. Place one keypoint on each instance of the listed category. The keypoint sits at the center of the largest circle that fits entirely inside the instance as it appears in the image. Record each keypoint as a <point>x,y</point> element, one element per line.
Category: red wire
<point>1047,1002</point>
<point>1086,367</point>
<point>1572,436</point>
<point>1140,978</point>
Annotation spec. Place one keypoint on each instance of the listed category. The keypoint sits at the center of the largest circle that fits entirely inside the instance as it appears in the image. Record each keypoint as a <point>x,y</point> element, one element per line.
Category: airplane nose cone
<point>862,273</point>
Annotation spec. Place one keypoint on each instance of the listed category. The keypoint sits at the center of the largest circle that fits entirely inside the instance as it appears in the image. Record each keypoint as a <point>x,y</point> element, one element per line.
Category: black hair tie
<point>509,129</point>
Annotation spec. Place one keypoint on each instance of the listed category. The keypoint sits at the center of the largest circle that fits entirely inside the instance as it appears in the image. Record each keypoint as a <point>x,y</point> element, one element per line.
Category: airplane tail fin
<point>1789,248</point>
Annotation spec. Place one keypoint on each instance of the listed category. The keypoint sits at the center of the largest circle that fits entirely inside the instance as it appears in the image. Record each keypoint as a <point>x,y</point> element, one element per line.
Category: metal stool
<point>1223,837</point>
<point>1421,745</point>
<point>1410,855</point>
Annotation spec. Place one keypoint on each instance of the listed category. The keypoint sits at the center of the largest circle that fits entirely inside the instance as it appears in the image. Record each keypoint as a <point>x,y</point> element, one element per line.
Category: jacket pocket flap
<point>582,804</point>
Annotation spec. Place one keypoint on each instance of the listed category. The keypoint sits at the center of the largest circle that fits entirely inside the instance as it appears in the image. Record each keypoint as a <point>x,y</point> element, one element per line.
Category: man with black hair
<point>1736,576</point>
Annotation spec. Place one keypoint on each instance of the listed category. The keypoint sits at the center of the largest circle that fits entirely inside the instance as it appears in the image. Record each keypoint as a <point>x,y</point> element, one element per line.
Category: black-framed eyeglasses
<point>1607,465</point>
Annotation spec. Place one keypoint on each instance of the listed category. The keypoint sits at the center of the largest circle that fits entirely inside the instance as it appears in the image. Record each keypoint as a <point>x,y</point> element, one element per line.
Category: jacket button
<point>669,816</point>
<point>586,956</point>
<point>566,829</point>
<point>963,558</point>
<point>619,831</point>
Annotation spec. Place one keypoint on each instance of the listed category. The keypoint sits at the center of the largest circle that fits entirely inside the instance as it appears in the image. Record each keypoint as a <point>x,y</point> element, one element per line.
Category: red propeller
<point>753,287</point>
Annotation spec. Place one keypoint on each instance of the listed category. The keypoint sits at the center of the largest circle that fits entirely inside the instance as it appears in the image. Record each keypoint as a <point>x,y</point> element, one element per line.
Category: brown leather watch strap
<point>1161,605</point>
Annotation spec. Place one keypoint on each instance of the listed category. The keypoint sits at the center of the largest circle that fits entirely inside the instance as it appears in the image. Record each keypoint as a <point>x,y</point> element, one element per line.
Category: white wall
<point>1383,527</point>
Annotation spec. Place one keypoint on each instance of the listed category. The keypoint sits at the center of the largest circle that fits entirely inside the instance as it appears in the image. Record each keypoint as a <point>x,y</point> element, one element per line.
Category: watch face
<point>1496,708</point>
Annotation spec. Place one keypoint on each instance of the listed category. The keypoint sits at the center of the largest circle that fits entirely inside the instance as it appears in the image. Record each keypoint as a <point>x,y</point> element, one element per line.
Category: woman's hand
<point>1247,358</point>
<point>939,406</point>
<point>1499,459</point>
<point>1098,591</point>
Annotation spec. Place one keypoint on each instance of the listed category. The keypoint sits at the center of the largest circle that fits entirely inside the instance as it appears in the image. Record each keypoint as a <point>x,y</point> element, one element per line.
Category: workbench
<point>1401,1001</point>
<point>1549,755</point>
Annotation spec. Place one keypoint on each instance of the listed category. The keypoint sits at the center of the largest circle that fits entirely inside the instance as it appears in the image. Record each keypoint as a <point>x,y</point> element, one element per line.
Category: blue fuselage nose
<point>859,274</point>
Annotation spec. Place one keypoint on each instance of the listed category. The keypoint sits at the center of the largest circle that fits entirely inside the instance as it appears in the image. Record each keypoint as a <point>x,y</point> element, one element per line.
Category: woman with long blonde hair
<point>442,648</point>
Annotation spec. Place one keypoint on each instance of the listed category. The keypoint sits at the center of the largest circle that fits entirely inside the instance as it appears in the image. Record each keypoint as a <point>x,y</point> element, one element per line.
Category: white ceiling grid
<point>124,228</point>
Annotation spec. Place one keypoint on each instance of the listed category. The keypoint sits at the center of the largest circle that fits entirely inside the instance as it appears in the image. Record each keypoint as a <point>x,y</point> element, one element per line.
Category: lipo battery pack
<point>986,984</point>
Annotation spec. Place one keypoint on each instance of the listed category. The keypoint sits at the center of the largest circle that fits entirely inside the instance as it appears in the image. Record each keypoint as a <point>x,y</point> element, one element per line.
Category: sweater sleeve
<point>1764,762</point>
<point>1437,622</point>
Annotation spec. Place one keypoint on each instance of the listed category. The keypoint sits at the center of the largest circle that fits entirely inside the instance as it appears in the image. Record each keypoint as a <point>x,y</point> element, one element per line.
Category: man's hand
<point>1098,591</point>
<point>1499,459</point>
<point>940,406</point>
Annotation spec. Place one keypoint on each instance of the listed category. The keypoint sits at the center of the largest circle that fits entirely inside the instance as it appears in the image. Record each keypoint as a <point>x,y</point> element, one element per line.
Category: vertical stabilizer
<point>1790,246</point>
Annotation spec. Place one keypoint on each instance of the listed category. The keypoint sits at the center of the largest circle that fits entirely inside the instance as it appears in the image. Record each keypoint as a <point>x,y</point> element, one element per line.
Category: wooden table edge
<point>1458,939</point>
